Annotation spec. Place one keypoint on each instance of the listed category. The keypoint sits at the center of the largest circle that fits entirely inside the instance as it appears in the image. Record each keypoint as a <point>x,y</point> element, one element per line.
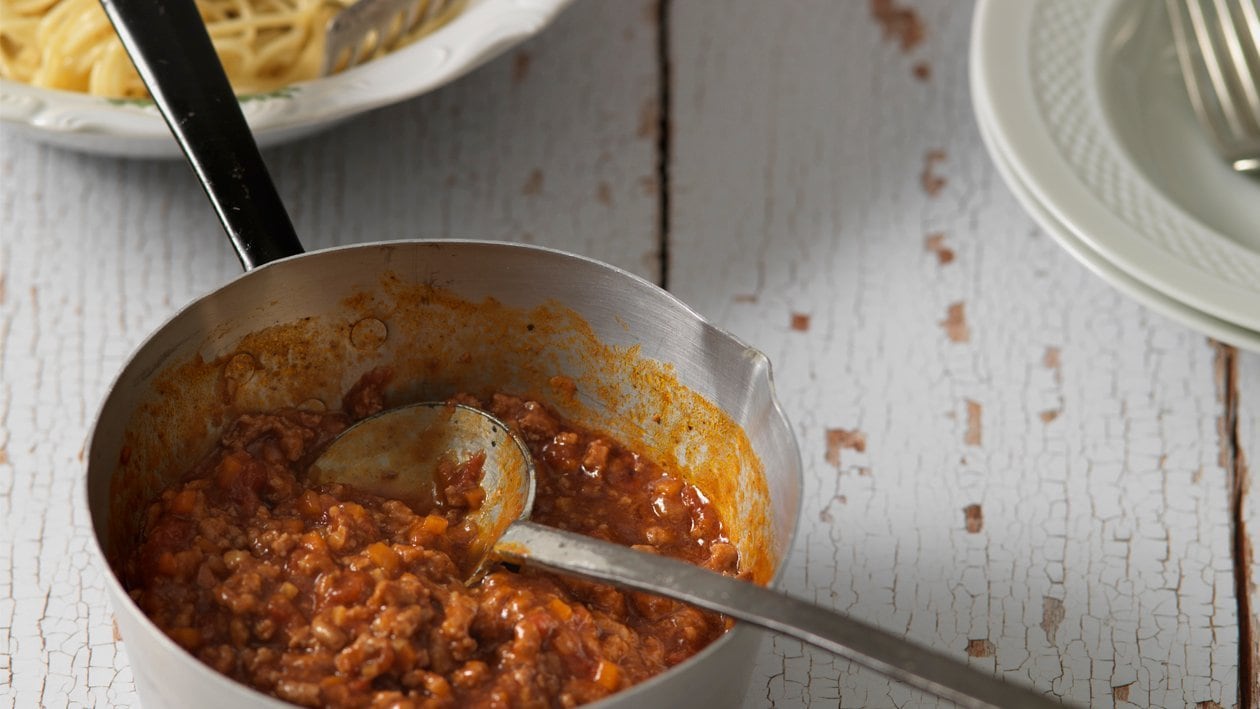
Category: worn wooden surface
<point>1005,458</point>
<point>1246,430</point>
<point>1037,482</point>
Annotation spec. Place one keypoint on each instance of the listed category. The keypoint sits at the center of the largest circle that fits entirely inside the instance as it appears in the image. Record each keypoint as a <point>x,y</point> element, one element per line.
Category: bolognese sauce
<point>328,596</point>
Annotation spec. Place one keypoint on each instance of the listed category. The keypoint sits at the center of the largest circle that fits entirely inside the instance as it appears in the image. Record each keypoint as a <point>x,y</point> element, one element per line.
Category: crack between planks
<point>1227,363</point>
<point>664,75</point>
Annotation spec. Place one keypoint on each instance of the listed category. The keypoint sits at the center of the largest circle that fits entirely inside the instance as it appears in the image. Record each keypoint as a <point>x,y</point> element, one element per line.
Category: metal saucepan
<point>446,316</point>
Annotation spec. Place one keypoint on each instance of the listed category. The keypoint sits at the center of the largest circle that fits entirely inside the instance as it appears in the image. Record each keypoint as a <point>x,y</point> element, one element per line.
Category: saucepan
<point>447,316</point>
<point>600,346</point>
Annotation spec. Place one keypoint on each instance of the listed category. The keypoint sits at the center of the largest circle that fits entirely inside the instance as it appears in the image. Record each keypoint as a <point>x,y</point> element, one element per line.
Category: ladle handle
<point>574,554</point>
<point>169,45</point>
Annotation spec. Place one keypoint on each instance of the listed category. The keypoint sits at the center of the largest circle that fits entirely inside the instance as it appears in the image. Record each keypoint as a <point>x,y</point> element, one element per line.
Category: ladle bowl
<point>396,454</point>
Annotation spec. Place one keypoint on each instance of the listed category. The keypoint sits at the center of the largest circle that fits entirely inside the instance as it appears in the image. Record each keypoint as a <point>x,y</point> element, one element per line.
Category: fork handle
<point>169,45</point>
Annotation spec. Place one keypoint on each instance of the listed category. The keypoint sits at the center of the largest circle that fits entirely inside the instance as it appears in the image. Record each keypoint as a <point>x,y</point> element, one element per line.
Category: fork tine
<point>1243,72</point>
<point>1215,70</point>
<point>1194,88</point>
<point>1218,48</point>
<point>388,21</point>
<point>1251,23</point>
<point>1252,20</point>
<point>415,14</point>
<point>362,48</point>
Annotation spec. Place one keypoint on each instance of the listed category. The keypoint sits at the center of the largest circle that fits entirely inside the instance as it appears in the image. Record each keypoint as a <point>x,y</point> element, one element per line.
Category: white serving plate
<point>1084,104</point>
<point>1216,328</point>
<point>482,31</point>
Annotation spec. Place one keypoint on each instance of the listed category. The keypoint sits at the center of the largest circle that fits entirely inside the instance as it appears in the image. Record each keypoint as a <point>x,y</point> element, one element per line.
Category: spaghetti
<point>263,44</point>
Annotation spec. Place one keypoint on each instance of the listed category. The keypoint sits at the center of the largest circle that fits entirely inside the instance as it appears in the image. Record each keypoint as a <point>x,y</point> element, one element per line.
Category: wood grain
<point>1041,490</point>
<point>1246,390</point>
<point>547,145</point>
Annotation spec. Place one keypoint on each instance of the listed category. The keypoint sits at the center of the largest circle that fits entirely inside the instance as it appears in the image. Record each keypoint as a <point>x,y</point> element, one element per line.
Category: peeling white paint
<point>1104,559</point>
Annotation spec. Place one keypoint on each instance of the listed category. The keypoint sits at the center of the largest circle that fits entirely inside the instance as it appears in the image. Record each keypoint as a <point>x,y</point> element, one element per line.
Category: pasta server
<point>369,28</point>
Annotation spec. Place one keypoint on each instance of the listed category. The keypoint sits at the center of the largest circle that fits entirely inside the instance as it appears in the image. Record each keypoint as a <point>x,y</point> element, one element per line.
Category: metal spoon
<point>395,453</point>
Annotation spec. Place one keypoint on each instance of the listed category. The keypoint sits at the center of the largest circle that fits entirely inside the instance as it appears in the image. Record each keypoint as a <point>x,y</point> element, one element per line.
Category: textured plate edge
<point>1053,182</point>
<point>102,126</point>
<point>1095,262</point>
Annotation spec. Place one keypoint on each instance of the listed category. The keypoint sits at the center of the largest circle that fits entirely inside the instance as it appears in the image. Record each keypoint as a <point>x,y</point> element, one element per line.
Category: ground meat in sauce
<point>329,597</point>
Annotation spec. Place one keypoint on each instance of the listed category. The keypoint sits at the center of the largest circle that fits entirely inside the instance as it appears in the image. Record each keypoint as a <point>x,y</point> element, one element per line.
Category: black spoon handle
<point>169,44</point>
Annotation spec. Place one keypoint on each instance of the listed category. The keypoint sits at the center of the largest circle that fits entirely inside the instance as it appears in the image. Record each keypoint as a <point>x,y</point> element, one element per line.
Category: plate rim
<point>1000,59</point>
<point>480,32</point>
<point>1162,304</point>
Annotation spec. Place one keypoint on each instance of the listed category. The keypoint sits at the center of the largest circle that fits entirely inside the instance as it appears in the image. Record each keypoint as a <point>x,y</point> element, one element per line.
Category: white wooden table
<point>1005,458</point>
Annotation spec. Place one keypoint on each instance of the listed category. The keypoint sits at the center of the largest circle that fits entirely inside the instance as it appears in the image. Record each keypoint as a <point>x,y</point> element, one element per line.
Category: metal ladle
<point>395,454</point>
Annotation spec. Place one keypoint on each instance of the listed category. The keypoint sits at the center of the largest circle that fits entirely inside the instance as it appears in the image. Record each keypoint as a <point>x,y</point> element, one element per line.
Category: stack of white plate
<point>1081,104</point>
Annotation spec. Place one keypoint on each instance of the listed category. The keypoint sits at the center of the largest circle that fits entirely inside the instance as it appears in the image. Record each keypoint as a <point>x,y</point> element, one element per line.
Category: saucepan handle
<point>890,655</point>
<point>169,44</point>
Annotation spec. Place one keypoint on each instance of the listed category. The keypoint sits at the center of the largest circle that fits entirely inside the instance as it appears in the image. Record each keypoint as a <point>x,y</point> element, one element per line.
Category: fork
<point>361,30</point>
<point>1218,47</point>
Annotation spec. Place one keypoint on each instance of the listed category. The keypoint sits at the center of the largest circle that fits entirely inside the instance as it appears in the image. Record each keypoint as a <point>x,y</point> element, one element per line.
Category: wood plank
<point>554,144</point>
<point>1005,458</point>
<point>1246,394</point>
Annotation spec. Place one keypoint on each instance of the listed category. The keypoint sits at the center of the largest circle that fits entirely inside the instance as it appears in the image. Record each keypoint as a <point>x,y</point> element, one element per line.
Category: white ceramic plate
<point>482,31</point>
<point>1213,327</point>
<point>1085,106</point>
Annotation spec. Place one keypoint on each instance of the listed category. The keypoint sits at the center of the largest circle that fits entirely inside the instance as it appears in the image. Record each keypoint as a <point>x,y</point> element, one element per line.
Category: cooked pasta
<point>264,44</point>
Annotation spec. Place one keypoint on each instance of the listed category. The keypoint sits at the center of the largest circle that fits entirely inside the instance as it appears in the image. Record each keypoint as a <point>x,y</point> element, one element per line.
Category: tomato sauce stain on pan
<point>436,343</point>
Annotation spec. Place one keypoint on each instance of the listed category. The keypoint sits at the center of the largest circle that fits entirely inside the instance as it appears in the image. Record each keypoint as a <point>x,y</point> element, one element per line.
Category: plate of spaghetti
<point>65,79</point>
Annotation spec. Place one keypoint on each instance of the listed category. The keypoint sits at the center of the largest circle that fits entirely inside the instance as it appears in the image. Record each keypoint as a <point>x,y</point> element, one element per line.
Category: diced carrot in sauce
<point>184,503</point>
<point>434,524</point>
<point>355,511</point>
<point>384,557</point>
<point>607,675</point>
<point>314,541</point>
<point>560,609</point>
